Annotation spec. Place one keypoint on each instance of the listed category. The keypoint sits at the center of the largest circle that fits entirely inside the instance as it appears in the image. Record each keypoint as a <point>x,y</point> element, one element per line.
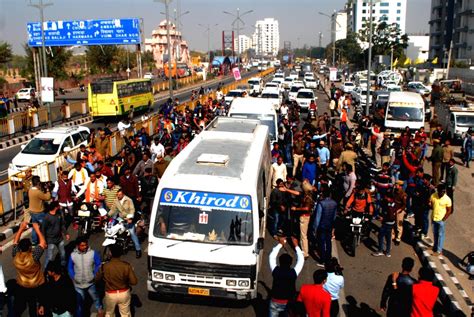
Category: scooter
<point>116,233</point>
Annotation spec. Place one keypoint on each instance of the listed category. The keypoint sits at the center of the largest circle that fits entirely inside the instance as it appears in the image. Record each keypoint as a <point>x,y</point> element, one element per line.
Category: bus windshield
<point>102,87</point>
<point>183,216</point>
<point>405,113</point>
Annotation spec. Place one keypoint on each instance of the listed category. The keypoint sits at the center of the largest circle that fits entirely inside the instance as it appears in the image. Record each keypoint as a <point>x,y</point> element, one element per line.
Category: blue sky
<point>297,18</point>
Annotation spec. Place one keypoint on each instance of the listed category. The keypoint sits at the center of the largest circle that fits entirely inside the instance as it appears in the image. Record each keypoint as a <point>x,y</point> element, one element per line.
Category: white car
<point>359,95</point>
<point>24,94</point>
<point>304,98</point>
<point>231,95</point>
<point>294,74</point>
<point>148,76</point>
<point>294,91</point>
<point>311,83</point>
<point>274,96</point>
<point>347,87</point>
<point>48,145</point>
<point>308,75</point>
<point>256,85</point>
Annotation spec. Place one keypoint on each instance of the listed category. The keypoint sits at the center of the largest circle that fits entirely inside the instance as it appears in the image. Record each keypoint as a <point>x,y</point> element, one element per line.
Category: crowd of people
<point>317,179</point>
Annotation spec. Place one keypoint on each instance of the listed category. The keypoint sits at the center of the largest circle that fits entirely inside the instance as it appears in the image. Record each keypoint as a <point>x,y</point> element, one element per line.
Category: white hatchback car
<point>47,146</point>
<point>24,94</point>
<point>305,97</point>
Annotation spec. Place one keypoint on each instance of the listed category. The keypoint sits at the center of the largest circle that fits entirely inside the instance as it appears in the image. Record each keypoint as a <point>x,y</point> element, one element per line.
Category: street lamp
<point>40,6</point>
<point>369,70</point>
<point>238,19</point>
<point>168,44</point>
<point>208,30</point>
<point>333,20</point>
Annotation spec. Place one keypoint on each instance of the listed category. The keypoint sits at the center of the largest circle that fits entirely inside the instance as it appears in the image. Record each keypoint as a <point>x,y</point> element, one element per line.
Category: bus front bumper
<point>185,290</point>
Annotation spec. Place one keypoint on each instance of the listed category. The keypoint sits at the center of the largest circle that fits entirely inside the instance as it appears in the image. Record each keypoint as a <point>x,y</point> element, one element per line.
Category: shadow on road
<point>354,309</point>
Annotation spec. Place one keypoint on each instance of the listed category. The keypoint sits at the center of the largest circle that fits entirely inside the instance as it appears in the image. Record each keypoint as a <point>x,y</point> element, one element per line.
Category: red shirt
<point>316,300</point>
<point>425,295</point>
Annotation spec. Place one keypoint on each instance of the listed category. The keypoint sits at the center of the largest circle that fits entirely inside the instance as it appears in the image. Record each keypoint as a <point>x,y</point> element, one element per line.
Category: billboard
<point>85,32</point>
<point>47,89</point>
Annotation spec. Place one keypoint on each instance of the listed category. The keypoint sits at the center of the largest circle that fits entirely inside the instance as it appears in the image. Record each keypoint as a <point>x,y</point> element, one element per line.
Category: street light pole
<point>208,30</point>
<point>371,27</point>
<point>333,30</point>
<point>238,19</point>
<point>40,6</point>
<point>168,43</point>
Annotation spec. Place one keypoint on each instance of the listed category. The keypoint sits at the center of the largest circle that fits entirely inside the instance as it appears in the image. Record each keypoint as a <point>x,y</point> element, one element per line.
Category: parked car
<point>47,146</point>
<point>149,76</point>
<point>25,94</point>
<point>304,97</point>
<point>311,83</point>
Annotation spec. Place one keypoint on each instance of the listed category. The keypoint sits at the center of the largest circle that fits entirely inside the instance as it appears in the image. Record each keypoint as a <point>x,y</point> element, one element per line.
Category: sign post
<point>47,94</point>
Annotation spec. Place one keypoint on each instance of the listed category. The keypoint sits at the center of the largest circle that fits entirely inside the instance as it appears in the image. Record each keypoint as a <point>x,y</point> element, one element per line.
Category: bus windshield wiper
<point>178,242</point>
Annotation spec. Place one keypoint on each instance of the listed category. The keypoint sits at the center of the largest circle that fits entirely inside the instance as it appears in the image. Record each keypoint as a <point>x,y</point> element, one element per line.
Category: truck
<point>404,109</point>
<point>455,119</point>
<point>208,219</point>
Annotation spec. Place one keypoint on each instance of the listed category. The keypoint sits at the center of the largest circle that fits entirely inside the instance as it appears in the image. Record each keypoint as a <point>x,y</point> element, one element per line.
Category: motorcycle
<point>358,224</point>
<point>116,232</point>
<point>88,218</point>
<point>358,114</point>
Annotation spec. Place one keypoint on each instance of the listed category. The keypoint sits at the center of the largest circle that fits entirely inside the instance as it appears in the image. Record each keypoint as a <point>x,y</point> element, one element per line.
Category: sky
<point>299,21</point>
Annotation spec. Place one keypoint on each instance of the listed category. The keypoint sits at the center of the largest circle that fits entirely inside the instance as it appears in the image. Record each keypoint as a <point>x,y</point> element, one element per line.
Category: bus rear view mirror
<point>260,244</point>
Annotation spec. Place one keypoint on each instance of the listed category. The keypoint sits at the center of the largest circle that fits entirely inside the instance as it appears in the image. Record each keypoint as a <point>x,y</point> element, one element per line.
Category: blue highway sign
<point>85,32</point>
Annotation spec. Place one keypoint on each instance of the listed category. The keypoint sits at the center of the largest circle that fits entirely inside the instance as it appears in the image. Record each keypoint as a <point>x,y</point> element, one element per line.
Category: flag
<point>407,61</point>
<point>395,62</point>
<point>419,61</point>
<point>435,61</point>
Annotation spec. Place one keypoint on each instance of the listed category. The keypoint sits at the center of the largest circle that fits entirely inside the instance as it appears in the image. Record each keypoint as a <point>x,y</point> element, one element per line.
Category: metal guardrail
<point>11,189</point>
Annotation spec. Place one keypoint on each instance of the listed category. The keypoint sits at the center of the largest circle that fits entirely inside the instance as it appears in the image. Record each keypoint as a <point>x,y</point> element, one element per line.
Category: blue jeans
<point>36,218</point>
<point>468,155</point>
<point>426,222</point>
<point>438,235</point>
<point>133,235</point>
<point>277,310</point>
<point>324,241</point>
<point>66,314</point>
<point>81,296</point>
<point>50,253</point>
<point>385,232</point>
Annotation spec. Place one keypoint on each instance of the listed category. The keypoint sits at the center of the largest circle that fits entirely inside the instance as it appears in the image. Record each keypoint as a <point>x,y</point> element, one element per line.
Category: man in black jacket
<point>148,185</point>
<point>396,295</point>
<point>59,297</point>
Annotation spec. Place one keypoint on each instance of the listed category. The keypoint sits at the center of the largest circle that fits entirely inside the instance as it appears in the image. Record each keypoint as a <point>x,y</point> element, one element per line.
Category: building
<point>390,11</point>
<point>158,45</point>
<point>450,20</point>
<point>418,47</point>
<point>242,44</point>
<point>266,39</point>
<point>338,26</point>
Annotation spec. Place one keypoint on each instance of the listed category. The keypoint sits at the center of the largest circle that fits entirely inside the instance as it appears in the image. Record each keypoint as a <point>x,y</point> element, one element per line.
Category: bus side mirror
<point>260,245</point>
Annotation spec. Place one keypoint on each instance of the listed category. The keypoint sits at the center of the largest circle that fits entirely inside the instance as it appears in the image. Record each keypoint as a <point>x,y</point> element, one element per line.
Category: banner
<point>332,74</point>
<point>236,72</point>
<point>47,89</point>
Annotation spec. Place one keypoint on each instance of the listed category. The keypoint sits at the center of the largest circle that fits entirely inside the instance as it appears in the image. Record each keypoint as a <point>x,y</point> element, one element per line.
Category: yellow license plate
<point>198,291</point>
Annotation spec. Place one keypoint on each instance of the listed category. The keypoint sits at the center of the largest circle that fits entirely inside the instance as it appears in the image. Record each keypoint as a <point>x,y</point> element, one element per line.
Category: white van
<point>258,109</point>
<point>208,220</point>
<point>404,109</point>
<point>256,86</point>
<point>456,120</point>
<point>273,96</point>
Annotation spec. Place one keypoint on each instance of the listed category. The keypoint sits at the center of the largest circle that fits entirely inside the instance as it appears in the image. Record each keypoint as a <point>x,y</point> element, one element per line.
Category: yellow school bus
<point>107,97</point>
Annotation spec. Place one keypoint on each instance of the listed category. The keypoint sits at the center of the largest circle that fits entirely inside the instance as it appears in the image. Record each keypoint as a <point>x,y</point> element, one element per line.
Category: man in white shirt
<point>78,175</point>
<point>123,126</point>
<point>279,171</point>
<point>157,150</point>
<point>334,284</point>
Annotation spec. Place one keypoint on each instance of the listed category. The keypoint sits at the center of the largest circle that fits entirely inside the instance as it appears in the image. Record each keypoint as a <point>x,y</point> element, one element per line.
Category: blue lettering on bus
<point>177,197</point>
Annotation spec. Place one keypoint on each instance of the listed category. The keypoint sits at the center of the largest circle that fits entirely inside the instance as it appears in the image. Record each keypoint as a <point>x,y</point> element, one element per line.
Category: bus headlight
<point>231,283</point>
<point>244,283</point>
<point>157,275</point>
<point>169,277</point>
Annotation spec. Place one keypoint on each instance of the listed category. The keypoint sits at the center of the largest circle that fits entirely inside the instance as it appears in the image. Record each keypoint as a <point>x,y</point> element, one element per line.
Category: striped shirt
<point>110,195</point>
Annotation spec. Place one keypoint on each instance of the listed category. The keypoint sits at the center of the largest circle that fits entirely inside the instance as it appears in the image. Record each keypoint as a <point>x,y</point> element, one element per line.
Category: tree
<point>100,58</point>
<point>385,37</point>
<point>148,61</point>
<point>348,50</point>
<point>5,53</point>
<point>124,59</point>
<point>56,58</point>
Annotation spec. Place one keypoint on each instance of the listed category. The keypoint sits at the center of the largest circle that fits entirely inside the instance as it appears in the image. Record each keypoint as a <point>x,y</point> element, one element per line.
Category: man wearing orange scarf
<point>92,189</point>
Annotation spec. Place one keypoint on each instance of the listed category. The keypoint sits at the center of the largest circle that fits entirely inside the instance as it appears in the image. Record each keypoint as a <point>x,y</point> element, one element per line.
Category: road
<point>8,154</point>
<point>364,275</point>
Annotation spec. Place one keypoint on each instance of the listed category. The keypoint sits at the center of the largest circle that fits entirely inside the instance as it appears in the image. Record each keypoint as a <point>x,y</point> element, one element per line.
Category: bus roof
<point>252,105</point>
<point>228,124</point>
<point>407,98</point>
<point>221,154</point>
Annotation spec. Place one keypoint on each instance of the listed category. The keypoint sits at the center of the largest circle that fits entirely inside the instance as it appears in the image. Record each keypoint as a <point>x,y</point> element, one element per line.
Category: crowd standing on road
<point>321,176</point>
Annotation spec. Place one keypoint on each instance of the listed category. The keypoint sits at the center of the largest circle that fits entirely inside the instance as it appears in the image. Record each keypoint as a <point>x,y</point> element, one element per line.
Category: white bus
<point>404,109</point>
<point>208,221</point>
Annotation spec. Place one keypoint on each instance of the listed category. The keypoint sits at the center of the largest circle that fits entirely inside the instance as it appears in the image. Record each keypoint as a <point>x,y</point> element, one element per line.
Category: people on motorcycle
<point>360,201</point>
<point>123,208</point>
<point>93,190</point>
